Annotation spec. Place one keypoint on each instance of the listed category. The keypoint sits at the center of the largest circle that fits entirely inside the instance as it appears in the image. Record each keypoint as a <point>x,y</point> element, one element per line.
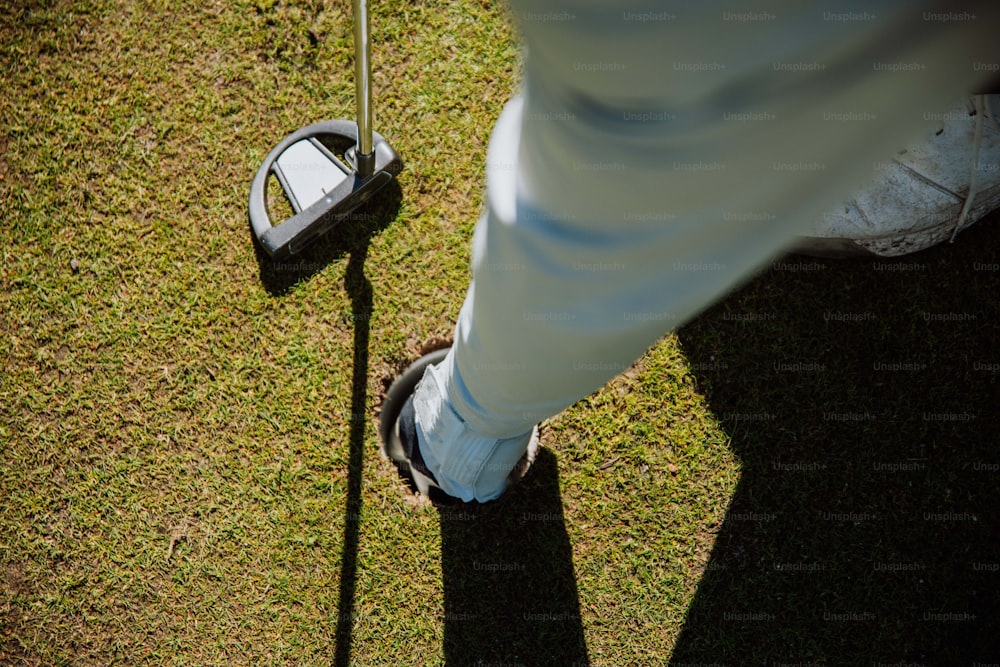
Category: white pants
<point>659,154</point>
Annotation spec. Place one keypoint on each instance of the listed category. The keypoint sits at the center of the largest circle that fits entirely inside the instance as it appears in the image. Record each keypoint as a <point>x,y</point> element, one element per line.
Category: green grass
<point>189,466</point>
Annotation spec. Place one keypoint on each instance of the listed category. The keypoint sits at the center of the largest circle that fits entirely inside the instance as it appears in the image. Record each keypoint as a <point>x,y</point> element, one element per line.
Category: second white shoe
<point>927,193</point>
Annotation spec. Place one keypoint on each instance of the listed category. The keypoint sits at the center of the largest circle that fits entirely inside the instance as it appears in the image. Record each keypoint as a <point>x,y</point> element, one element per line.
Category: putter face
<point>308,171</point>
<point>321,189</point>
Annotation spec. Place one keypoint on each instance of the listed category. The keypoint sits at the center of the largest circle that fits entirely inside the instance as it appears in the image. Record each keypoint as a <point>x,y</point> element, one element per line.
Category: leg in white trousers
<point>656,158</point>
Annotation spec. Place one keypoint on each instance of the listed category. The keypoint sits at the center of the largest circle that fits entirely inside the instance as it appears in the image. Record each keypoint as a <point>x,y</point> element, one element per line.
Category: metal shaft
<point>365,154</point>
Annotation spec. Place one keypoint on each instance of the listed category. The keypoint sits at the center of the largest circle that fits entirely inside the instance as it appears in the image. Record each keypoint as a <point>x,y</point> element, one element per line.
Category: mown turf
<point>190,471</point>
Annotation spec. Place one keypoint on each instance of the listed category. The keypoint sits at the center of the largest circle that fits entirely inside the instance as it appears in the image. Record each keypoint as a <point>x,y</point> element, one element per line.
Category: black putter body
<point>322,189</point>
<point>311,220</point>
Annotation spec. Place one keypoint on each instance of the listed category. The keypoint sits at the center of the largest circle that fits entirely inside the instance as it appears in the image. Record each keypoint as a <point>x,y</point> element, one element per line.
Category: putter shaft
<point>362,88</point>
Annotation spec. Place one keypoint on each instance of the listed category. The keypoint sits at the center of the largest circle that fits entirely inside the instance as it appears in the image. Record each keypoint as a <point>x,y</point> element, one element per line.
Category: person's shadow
<point>863,401</point>
<point>510,593</point>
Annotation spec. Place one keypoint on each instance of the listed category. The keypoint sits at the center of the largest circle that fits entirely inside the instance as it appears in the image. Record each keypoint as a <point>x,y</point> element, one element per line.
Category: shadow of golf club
<point>360,290</point>
<point>512,601</point>
<point>351,238</point>
<point>862,401</point>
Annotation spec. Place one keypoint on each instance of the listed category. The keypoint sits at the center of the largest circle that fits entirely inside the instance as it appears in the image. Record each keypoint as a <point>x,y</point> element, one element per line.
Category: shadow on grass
<point>279,278</point>
<point>512,601</point>
<point>863,400</point>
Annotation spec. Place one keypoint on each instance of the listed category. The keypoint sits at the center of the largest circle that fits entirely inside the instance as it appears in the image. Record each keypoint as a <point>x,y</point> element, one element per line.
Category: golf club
<point>322,188</point>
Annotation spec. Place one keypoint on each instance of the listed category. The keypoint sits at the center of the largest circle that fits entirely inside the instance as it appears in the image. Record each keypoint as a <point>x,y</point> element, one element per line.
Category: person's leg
<point>654,161</point>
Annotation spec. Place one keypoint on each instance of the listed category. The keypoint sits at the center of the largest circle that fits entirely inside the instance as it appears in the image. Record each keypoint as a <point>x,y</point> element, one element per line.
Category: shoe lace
<point>981,108</point>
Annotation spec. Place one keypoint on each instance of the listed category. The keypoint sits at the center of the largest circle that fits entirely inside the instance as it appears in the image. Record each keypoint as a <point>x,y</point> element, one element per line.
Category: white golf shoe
<point>927,193</point>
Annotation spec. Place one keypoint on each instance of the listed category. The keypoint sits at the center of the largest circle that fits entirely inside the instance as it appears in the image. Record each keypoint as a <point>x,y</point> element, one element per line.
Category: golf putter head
<point>322,189</point>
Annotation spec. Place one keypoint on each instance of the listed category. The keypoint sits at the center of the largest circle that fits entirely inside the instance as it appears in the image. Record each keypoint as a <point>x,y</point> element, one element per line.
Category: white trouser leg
<point>650,166</point>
